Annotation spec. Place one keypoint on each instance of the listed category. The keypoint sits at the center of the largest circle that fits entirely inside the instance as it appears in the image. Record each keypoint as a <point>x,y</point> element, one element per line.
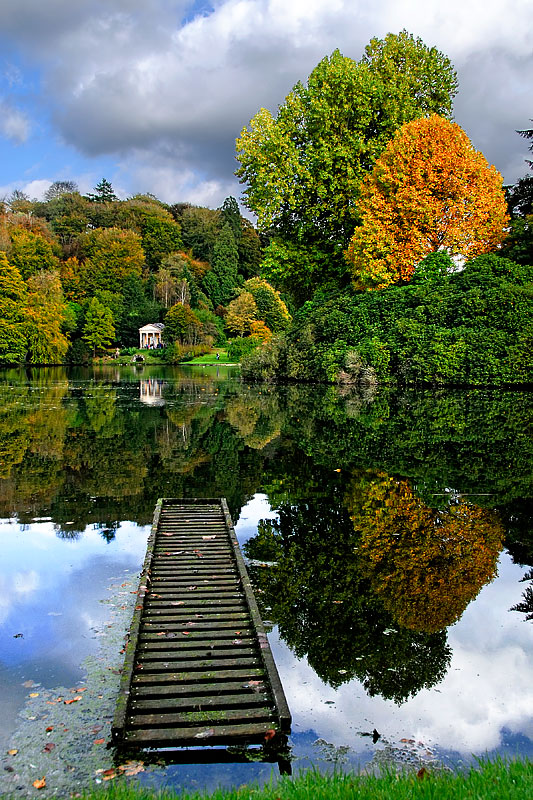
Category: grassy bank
<point>501,780</point>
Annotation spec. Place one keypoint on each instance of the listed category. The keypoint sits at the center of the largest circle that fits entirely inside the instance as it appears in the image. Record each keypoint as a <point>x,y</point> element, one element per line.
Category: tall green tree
<point>225,266</point>
<point>103,193</point>
<point>99,328</point>
<point>303,168</point>
<point>47,344</point>
<point>13,293</point>
<point>160,238</point>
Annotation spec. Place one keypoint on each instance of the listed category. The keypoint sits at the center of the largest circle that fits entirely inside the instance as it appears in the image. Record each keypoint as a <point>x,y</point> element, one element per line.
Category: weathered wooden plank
<point>208,717</point>
<point>213,644</point>
<point>199,664</point>
<point>170,683</point>
<point>144,655</point>
<point>161,704</point>
<point>214,734</point>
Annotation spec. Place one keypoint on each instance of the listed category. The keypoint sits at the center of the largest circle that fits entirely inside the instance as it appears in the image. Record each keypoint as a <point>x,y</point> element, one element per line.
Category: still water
<point>390,538</point>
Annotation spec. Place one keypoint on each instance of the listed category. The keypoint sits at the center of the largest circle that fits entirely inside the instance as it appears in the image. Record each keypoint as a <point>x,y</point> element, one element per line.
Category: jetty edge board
<point>198,668</point>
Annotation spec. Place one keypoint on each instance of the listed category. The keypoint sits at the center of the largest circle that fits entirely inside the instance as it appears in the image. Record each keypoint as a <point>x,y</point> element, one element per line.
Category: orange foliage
<point>430,190</point>
<point>425,564</point>
<point>260,330</point>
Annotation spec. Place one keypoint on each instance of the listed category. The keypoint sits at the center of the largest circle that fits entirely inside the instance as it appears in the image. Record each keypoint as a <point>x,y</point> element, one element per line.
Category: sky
<point>151,94</point>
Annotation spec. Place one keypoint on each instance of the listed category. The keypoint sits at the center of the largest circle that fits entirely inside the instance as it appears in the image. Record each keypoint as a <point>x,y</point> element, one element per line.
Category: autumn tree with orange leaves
<point>425,564</point>
<point>429,191</point>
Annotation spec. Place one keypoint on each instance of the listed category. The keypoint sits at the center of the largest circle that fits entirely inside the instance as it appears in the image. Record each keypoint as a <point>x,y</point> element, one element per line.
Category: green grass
<point>210,358</point>
<point>499,780</point>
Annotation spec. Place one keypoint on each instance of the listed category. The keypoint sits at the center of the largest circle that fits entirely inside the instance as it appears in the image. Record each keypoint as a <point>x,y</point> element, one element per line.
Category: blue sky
<point>152,93</point>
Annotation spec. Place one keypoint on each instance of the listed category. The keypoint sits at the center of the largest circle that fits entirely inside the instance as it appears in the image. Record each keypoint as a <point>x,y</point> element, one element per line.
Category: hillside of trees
<point>392,241</point>
<point>79,274</point>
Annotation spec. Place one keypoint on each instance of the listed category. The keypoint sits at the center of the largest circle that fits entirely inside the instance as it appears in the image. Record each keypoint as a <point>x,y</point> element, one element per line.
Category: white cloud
<point>14,124</point>
<point>131,79</point>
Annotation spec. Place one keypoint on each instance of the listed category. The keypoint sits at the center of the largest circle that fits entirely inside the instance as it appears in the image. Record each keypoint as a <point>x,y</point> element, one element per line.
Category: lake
<point>390,542</point>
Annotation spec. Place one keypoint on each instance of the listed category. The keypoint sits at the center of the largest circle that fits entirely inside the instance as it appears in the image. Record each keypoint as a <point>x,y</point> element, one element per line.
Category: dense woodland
<point>381,229</point>
<point>82,274</point>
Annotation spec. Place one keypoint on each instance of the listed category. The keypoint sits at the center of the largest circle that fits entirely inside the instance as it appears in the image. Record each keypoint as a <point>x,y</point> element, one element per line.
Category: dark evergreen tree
<point>103,193</point>
<point>226,264</point>
<point>229,213</point>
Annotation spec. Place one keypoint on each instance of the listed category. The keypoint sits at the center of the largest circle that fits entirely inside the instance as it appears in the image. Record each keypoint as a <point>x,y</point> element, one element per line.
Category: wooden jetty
<point>198,669</point>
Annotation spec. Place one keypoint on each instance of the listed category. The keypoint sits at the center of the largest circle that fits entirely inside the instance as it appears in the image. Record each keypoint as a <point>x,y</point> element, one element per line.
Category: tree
<point>182,325</point>
<point>426,564</point>
<point>303,168</point>
<point>229,212</point>
<point>99,328</point>
<point>111,255</point>
<point>520,196</point>
<point>59,188</point>
<point>160,237</point>
<point>103,193</point>
<point>47,343</point>
<point>270,307</point>
<point>31,253</point>
<point>13,293</point>
<point>225,266</point>
<point>241,313</point>
<point>429,191</point>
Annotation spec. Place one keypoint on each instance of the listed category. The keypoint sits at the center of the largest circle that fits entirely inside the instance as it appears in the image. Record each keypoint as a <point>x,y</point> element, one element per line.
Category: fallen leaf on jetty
<point>270,734</point>
<point>12,752</point>
<point>50,728</point>
<point>34,694</point>
<point>209,537</point>
<point>49,746</point>
<point>205,734</point>
<point>73,700</point>
<point>197,552</point>
<point>99,741</point>
<point>109,774</point>
<point>40,783</point>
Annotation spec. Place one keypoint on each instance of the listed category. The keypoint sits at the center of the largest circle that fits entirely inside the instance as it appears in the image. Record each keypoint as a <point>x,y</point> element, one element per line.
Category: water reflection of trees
<point>319,595</point>
<point>426,564</point>
<point>81,447</point>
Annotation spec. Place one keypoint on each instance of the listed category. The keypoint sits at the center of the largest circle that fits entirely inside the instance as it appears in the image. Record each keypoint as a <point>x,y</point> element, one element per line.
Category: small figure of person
<point>218,356</point>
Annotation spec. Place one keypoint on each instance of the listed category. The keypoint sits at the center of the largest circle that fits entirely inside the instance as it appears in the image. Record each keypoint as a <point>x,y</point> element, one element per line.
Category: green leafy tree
<point>241,313</point>
<point>160,237</point>
<point>110,256</point>
<point>303,168</point>
<point>31,253</point>
<point>250,250</point>
<point>200,228</point>
<point>182,325</point>
<point>99,328</point>
<point>13,295</point>
<point>270,307</point>
<point>47,344</point>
